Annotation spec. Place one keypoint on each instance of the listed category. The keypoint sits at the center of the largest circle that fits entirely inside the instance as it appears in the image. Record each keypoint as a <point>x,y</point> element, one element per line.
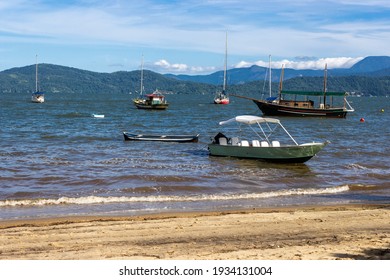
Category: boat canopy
<point>155,95</point>
<point>313,93</point>
<point>248,119</point>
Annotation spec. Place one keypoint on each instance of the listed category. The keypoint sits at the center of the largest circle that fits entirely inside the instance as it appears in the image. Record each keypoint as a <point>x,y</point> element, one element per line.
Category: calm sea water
<point>56,160</point>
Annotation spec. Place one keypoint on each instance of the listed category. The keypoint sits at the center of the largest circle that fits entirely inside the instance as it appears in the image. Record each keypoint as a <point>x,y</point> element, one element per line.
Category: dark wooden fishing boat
<point>164,138</point>
<point>305,108</point>
<point>302,105</point>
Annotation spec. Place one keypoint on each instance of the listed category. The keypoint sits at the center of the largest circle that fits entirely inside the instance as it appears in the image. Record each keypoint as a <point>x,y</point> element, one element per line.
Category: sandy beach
<point>308,233</point>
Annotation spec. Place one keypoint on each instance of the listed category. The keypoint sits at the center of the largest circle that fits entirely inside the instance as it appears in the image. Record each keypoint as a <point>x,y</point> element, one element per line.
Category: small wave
<point>367,187</point>
<point>294,192</point>
<point>154,199</point>
<point>72,115</point>
<point>356,166</point>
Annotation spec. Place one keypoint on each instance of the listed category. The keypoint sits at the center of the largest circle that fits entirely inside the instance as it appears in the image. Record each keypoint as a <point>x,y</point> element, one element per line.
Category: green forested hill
<point>366,86</point>
<point>62,80</point>
<point>378,86</point>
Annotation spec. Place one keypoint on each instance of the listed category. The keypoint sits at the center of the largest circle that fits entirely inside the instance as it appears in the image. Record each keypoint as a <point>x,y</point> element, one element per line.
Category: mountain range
<point>371,66</point>
<point>370,76</point>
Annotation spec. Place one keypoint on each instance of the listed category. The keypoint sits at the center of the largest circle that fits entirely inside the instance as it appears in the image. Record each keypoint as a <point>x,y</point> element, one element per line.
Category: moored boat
<point>330,104</point>
<point>262,144</point>
<point>163,138</point>
<point>38,96</point>
<point>295,108</point>
<point>153,101</point>
<point>222,97</point>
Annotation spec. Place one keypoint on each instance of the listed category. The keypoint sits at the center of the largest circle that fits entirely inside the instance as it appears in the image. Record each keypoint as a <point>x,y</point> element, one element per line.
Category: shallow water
<point>56,159</point>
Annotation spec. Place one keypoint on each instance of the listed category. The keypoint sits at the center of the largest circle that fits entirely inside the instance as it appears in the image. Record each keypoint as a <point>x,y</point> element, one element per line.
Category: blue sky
<point>188,37</point>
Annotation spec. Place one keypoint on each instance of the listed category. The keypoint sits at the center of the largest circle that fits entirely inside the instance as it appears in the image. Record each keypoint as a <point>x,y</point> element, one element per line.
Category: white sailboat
<point>37,96</point>
<point>141,97</point>
<point>222,97</point>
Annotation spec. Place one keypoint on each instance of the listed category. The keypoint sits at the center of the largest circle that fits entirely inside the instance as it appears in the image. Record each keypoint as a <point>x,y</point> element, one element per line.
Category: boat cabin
<point>295,103</point>
<point>155,99</point>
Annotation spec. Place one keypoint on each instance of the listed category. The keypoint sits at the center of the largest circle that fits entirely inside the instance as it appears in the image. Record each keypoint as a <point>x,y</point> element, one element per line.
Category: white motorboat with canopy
<point>265,146</point>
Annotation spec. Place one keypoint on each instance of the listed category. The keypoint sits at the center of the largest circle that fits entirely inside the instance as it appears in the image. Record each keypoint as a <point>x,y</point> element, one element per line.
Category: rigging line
<point>264,83</point>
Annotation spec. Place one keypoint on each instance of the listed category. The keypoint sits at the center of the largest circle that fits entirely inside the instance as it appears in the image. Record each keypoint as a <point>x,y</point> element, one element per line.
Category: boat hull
<point>153,101</point>
<point>221,101</point>
<point>37,98</point>
<point>271,109</point>
<point>161,138</point>
<point>147,105</point>
<point>287,154</point>
<point>151,107</point>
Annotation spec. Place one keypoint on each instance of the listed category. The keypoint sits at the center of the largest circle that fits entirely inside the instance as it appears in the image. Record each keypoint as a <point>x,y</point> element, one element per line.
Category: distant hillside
<point>355,85</point>
<point>243,75</point>
<point>374,66</point>
<point>371,64</point>
<point>61,80</point>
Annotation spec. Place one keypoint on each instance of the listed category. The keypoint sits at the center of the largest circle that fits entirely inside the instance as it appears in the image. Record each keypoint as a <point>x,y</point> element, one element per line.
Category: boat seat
<point>234,141</point>
<point>223,141</point>
<point>264,144</point>
<point>275,144</point>
<point>255,143</point>
<point>244,143</point>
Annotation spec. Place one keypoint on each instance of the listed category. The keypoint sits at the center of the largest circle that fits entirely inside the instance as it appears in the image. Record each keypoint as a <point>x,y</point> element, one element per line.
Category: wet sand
<point>308,233</point>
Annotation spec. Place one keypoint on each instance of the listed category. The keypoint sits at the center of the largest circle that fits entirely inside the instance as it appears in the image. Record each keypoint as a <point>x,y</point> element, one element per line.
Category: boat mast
<point>142,76</point>
<point>281,82</point>
<point>270,79</point>
<point>325,80</point>
<point>225,66</point>
<point>36,73</point>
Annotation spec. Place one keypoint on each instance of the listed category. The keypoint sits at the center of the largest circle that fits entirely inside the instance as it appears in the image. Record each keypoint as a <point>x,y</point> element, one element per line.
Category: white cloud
<point>163,65</point>
<point>176,67</point>
<point>300,64</point>
<point>196,29</point>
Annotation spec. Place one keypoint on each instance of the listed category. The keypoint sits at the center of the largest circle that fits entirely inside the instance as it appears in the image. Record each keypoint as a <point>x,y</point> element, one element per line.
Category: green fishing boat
<point>262,145</point>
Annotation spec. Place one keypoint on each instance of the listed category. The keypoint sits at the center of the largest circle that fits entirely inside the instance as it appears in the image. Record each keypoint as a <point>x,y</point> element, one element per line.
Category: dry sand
<point>319,233</point>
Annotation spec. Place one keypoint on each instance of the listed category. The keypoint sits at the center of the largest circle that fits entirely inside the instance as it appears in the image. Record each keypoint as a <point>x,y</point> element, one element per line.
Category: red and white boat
<point>221,98</point>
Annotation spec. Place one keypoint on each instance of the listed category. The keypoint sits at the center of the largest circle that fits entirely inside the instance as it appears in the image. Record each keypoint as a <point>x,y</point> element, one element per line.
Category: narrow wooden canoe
<point>163,138</point>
